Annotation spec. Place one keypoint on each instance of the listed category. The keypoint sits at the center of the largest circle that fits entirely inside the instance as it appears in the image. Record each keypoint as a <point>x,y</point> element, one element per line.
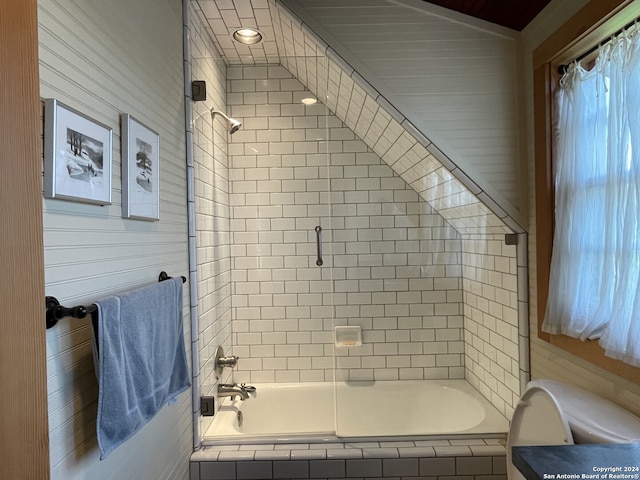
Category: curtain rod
<point>562,69</point>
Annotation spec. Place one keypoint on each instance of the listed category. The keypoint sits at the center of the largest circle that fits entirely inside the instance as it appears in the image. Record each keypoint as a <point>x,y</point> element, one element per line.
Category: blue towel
<point>142,363</point>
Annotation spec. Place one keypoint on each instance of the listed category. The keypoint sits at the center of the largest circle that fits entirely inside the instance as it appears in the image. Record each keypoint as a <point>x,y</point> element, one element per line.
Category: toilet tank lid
<point>592,419</point>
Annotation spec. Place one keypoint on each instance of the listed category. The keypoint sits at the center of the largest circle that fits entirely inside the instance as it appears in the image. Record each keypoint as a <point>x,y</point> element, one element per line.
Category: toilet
<point>554,413</point>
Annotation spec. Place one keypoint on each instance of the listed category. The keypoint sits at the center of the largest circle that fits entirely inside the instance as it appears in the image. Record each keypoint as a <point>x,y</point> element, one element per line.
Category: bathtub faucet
<point>231,390</point>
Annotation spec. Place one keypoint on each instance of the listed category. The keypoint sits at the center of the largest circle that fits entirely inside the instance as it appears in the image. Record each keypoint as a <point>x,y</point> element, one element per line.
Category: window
<point>595,265</point>
<point>596,21</point>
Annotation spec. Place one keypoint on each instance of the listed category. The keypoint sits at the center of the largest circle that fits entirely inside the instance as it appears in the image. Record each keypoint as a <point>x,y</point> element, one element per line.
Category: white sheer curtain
<point>594,285</point>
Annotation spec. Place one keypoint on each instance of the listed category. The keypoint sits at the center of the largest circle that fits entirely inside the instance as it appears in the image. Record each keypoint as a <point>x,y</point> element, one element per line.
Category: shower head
<point>234,125</point>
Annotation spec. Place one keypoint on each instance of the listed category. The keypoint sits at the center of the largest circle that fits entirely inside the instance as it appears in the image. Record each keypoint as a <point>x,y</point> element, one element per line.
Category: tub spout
<point>250,389</point>
<point>231,390</point>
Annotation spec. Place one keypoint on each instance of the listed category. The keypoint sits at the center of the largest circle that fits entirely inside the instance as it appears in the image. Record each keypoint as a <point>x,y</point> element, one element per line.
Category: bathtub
<point>322,412</point>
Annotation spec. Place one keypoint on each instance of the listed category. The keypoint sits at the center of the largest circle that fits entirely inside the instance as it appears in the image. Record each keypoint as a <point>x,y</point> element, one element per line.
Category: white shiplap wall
<point>454,77</point>
<point>548,361</point>
<point>105,59</point>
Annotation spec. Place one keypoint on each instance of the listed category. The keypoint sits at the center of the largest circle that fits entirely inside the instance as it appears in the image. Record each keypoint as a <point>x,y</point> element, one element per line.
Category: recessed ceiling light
<point>247,36</point>
<point>309,101</point>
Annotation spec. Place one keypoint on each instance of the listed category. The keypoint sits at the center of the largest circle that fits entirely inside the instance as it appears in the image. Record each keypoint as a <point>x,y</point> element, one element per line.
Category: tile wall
<point>475,459</point>
<point>490,285</point>
<point>435,178</point>
<point>394,263</point>
<point>211,300</point>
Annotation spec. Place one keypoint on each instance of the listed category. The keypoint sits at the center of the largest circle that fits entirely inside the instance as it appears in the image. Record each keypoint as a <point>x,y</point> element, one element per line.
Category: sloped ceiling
<point>224,16</point>
<point>455,78</point>
<point>514,14</point>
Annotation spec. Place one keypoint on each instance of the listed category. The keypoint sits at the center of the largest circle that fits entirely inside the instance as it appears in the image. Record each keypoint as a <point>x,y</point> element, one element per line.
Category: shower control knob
<point>228,361</point>
<point>220,361</point>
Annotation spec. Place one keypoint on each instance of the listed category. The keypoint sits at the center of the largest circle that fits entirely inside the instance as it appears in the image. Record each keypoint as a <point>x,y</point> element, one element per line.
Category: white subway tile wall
<point>393,263</point>
<point>448,191</point>
<point>211,206</point>
<point>492,356</point>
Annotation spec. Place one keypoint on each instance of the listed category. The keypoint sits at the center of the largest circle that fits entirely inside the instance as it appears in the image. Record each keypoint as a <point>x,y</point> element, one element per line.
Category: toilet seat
<point>537,420</point>
<point>592,419</point>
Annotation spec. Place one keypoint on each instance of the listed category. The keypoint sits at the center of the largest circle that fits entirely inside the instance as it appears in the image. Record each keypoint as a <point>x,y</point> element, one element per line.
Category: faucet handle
<point>228,361</point>
<point>220,361</point>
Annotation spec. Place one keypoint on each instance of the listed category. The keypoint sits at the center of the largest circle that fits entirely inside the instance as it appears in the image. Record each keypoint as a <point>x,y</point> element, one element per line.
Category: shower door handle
<point>319,261</point>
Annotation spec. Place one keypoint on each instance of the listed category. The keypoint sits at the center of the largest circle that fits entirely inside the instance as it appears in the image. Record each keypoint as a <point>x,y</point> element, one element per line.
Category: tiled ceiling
<point>225,16</point>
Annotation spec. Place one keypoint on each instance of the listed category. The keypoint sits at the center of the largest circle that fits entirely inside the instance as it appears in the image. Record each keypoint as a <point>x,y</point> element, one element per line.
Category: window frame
<point>598,20</point>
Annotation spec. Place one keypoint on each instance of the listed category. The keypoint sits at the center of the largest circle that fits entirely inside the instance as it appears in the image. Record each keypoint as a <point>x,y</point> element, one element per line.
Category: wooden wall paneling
<point>23,413</point>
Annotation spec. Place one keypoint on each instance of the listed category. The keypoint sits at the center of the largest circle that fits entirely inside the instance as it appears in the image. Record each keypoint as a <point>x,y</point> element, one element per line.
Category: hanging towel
<point>142,363</point>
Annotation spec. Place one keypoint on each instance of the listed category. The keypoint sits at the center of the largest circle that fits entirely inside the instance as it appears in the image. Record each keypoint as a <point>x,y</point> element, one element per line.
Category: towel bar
<point>55,311</point>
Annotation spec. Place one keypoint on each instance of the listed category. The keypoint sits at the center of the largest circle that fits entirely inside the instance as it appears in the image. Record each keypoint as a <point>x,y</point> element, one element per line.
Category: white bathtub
<point>363,410</point>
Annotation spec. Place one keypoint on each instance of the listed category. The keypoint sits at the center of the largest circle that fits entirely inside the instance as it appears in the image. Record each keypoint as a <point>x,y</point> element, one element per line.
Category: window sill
<point>591,351</point>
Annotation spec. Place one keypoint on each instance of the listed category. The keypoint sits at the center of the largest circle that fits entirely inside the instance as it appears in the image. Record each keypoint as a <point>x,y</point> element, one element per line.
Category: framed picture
<point>77,156</point>
<point>140,170</point>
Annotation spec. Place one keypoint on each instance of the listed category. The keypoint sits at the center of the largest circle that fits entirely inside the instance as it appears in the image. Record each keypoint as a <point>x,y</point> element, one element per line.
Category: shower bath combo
<point>392,267</point>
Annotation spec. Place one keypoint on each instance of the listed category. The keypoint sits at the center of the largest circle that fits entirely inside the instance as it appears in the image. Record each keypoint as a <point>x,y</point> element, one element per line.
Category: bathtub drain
<point>239,419</point>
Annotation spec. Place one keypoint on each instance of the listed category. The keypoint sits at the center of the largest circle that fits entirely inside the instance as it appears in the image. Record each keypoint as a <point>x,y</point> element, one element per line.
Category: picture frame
<point>77,155</point>
<point>140,170</point>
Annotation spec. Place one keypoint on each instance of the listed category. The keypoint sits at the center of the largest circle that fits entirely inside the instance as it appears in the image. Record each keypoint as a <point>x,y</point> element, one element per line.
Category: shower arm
<point>233,124</point>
